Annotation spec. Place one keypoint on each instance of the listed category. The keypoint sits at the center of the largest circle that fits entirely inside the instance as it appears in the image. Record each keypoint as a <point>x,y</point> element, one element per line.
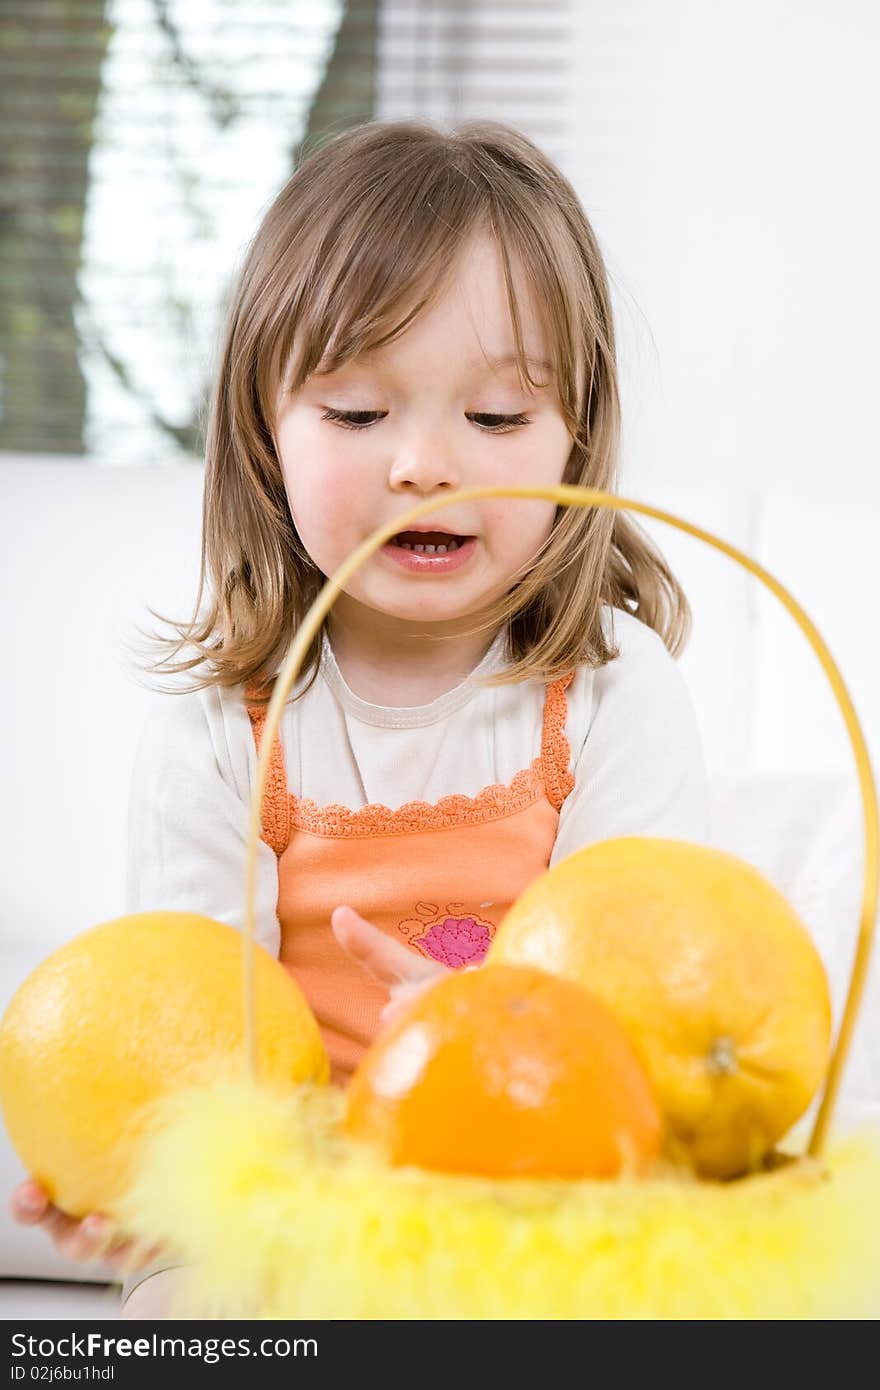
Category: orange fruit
<point>506,1072</point>
<point>709,969</point>
<point>118,1017</point>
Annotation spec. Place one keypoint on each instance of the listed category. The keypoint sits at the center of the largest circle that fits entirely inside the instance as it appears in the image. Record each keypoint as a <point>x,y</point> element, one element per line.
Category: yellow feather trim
<point>279,1217</point>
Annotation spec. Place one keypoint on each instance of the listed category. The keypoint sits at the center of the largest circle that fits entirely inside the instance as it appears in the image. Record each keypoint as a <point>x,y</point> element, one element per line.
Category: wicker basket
<point>287,1226</point>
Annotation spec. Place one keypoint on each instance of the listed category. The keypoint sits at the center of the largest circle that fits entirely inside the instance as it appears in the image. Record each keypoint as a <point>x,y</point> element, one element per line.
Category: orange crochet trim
<point>283,812</point>
<point>555,748</point>
<point>276,803</point>
<point>492,803</point>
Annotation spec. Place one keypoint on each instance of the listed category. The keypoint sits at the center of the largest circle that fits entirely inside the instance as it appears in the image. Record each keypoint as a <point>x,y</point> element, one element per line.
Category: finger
<point>92,1238</point>
<point>74,1239</point>
<point>387,960</point>
<point>125,1256</point>
<point>401,998</point>
<point>96,1239</point>
<point>29,1203</point>
<point>402,995</point>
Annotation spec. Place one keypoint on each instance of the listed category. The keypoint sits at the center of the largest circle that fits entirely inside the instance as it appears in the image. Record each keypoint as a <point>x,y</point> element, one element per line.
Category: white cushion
<point>85,550</point>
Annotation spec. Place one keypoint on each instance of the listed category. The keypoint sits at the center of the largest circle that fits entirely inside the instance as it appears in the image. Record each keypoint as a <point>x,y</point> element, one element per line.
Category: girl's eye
<point>352,419</point>
<point>362,419</point>
<point>499,424</point>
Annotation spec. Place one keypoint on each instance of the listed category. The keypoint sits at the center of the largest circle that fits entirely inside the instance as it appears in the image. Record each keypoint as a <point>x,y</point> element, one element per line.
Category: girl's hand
<point>93,1238</point>
<point>388,961</point>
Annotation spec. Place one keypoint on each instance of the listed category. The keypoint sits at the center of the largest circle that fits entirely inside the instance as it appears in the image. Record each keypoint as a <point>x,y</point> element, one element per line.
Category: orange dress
<point>438,877</point>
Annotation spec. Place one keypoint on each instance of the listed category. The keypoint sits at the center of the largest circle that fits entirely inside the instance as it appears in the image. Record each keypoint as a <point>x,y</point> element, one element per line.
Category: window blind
<point>456,60</point>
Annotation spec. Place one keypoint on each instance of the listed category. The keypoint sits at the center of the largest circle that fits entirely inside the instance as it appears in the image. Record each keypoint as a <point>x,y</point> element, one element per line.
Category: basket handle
<point>569,496</point>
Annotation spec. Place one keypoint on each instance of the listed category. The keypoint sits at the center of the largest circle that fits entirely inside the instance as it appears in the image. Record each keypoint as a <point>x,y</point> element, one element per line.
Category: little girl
<point>418,313</point>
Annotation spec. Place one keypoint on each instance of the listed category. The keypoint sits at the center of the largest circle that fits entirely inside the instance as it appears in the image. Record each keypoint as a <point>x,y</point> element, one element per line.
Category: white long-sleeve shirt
<point>631,727</point>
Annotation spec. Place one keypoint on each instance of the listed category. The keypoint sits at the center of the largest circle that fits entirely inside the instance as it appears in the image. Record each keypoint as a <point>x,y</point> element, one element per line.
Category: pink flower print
<point>456,941</point>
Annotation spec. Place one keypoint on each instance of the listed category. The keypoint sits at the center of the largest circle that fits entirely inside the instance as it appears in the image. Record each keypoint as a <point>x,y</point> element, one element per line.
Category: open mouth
<point>429,542</point>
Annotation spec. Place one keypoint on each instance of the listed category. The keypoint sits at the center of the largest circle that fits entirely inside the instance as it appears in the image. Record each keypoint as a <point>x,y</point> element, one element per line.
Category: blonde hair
<point>356,244</point>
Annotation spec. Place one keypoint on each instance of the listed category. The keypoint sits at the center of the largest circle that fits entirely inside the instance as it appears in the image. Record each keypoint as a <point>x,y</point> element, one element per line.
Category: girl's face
<point>436,410</point>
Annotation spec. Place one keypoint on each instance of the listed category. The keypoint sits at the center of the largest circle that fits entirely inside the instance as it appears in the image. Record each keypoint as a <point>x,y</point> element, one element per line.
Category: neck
<point>398,665</point>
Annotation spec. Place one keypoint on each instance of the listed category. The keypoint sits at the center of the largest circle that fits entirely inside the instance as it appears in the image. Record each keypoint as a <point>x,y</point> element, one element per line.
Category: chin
<point>422,614</point>
<point>419,605</point>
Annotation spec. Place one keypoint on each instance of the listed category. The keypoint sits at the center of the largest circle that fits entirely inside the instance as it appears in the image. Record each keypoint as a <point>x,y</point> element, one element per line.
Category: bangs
<point>388,260</point>
<point>388,255</point>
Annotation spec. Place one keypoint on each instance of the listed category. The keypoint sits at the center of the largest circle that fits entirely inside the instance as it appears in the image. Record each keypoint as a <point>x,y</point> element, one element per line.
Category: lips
<point>425,557</point>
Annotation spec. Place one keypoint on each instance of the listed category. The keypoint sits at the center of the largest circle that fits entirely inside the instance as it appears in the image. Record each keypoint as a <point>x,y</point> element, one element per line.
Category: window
<point>144,140</point>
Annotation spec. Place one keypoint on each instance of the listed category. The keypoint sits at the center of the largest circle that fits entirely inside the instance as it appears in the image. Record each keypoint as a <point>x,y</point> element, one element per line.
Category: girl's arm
<point>188,815</point>
<point>639,766</point>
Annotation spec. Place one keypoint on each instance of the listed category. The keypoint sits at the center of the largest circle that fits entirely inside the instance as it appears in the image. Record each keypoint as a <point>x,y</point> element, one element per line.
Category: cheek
<point>327,484</point>
<point>539,456</point>
<point>323,483</point>
<point>540,462</point>
<point>516,526</point>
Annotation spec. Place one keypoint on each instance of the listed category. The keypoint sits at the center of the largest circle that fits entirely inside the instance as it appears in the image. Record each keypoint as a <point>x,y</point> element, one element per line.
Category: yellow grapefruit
<point>118,1017</point>
<point>709,969</point>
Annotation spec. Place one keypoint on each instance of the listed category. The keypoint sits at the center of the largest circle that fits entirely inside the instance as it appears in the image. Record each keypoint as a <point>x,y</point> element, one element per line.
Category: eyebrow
<point>496,363</point>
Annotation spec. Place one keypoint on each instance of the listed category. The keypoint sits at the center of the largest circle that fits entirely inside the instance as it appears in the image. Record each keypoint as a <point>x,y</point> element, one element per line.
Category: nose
<point>423,465</point>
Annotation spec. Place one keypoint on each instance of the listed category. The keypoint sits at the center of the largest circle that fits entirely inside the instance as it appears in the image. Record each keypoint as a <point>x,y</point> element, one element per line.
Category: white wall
<point>724,153</point>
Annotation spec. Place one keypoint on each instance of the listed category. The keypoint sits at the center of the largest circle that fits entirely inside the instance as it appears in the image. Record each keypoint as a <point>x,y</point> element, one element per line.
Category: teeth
<point>429,549</point>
